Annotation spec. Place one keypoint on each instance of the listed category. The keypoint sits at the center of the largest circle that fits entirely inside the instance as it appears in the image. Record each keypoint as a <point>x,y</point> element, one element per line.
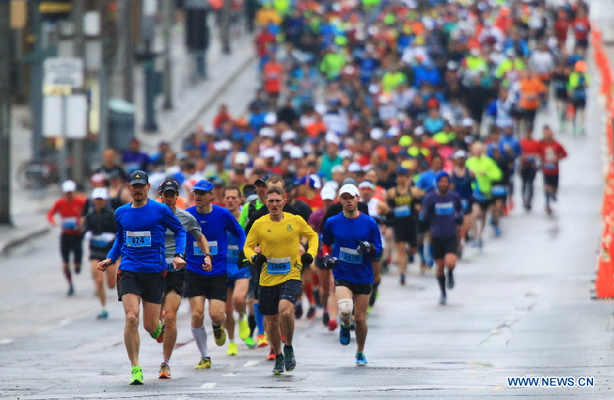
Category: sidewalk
<point>29,206</point>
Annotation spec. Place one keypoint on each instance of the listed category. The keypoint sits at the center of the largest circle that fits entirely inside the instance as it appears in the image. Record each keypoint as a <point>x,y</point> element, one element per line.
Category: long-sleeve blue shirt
<point>440,212</point>
<point>343,234</point>
<point>215,226</point>
<point>140,236</point>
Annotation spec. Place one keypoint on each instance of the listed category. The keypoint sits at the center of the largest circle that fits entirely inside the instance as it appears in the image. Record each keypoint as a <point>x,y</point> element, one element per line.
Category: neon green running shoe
<point>220,336</point>
<point>249,342</point>
<point>204,363</point>
<point>137,375</point>
<point>233,349</point>
<point>243,328</point>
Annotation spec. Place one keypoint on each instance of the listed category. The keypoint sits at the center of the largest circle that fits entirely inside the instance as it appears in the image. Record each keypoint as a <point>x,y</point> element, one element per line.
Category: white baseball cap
<point>241,158</point>
<point>69,186</point>
<point>100,193</point>
<point>328,193</point>
<point>350,189</point>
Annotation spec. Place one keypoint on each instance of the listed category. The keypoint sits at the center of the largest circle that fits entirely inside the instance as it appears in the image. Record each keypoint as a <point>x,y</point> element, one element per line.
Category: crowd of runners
<point>384,134</point>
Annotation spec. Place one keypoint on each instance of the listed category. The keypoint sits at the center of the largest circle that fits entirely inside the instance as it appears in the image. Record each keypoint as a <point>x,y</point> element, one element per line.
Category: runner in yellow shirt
<point>273,244</point>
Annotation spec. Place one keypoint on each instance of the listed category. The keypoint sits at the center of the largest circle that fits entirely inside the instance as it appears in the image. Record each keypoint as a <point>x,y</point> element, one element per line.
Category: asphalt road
<point>521,308</point>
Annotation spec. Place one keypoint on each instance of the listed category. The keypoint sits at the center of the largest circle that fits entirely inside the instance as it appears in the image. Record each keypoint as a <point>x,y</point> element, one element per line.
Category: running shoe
<point>298,311</point>
<point>278,369</point>
<point>249,342</point>
<point>71,291</point>
<point>160,333</point>
<point>243,328</point>
<point>261,340</point>
<point>311,312</point>
<point>443,299</point>
<point>402,279</point>
<point>233,349</point>
<point>450,280</point>
<point>103,315</point>
<point>204,363</point>
<point>137,375</point>
<point>325,318</point>
<point>332,324</point>
<point>219,335</point>
<point>270,356</point>
<point>497,230</point>
<point>290,361</point>
<point>344,335</point>
<point>361,360</point>
<point>165,371</point>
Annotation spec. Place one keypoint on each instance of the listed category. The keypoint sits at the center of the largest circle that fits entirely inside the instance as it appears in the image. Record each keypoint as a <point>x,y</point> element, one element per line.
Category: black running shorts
<point>406,232</point>
<point>74,244</point>
<point>356,288</point>
<point>148,285</point>
<point>212,287</point>
<point>175,281</point>
<point>442,246</point>
<point>269,296</point>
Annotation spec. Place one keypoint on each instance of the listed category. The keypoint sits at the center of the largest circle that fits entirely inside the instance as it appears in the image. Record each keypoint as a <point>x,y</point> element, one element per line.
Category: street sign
<point>64,71</point>
<point>65,116</point>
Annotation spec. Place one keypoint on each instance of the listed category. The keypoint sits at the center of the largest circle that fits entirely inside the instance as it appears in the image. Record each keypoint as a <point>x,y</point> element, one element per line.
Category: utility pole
<point>125,58</point>
<point>225,29</point>
<point>168,13</point>
<point>78,165</point>
<point>5,114</point>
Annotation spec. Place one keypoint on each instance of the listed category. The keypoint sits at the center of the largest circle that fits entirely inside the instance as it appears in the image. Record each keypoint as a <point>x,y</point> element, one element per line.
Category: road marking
<point>210,385</point>
<point>251,363</point>
<point>7,341</point>
<point>230,374</point>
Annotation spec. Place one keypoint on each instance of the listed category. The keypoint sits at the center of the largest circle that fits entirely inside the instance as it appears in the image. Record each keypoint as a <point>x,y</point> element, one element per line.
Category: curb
<point>22,238</point>
<point>222,86</point>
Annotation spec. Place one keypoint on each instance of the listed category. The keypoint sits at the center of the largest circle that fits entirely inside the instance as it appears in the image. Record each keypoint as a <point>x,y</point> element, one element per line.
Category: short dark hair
<point>275,190</point>
<point>275,180</point>
<point>231,187</point>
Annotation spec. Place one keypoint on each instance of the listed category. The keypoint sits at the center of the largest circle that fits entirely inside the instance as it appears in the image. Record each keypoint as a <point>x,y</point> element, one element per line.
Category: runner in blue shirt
<point>442,212</point>
<point>215,222</point>
<point>141,226</point>
<point>351,241</point>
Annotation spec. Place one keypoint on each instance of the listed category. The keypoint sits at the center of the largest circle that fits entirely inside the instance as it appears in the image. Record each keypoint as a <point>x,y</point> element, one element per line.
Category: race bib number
<point>444,208</point>
<point>213,247</point>
<point>278,266</point>
<point>402,211</point>
<point>69,223</point>
<point>138,239</point>
<point>350,256</point>
<point>233,252</point>
<point>550,166</point>
<point>499,190</point>
<point>465,204</point>
<point>197,250</point>
<point>102,239</point>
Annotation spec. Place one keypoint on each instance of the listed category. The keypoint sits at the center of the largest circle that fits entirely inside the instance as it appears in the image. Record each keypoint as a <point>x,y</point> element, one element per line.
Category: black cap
<point>262,180</point>
<point>219,182</point>
<point>168,184</point>
<point>138,177</point>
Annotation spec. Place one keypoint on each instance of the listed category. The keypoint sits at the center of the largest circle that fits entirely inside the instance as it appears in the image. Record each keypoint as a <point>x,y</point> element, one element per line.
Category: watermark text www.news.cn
<point>551,381</point>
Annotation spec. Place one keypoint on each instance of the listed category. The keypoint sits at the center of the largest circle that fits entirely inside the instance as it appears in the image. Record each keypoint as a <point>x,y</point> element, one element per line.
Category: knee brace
<point>345,306</point>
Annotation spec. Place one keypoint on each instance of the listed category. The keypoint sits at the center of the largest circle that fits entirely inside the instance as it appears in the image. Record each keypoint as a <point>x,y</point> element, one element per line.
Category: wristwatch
<point>207,255</point>
<point>180,255</point>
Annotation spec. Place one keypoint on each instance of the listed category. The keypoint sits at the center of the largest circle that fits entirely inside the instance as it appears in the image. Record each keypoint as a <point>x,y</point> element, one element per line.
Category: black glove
<point>330,262</point>
<point>258,260</point>
<point>365,247</point>
<point>306,259</point>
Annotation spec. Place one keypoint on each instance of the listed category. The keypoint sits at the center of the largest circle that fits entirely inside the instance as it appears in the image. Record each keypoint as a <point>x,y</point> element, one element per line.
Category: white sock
<point>200,337</point>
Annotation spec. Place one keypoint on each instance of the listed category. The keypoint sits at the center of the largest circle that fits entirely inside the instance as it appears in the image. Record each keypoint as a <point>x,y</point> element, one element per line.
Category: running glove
<point>330,262</point>
<point>258,260</point>
<point>365,247</point>
<point>306,259</point>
